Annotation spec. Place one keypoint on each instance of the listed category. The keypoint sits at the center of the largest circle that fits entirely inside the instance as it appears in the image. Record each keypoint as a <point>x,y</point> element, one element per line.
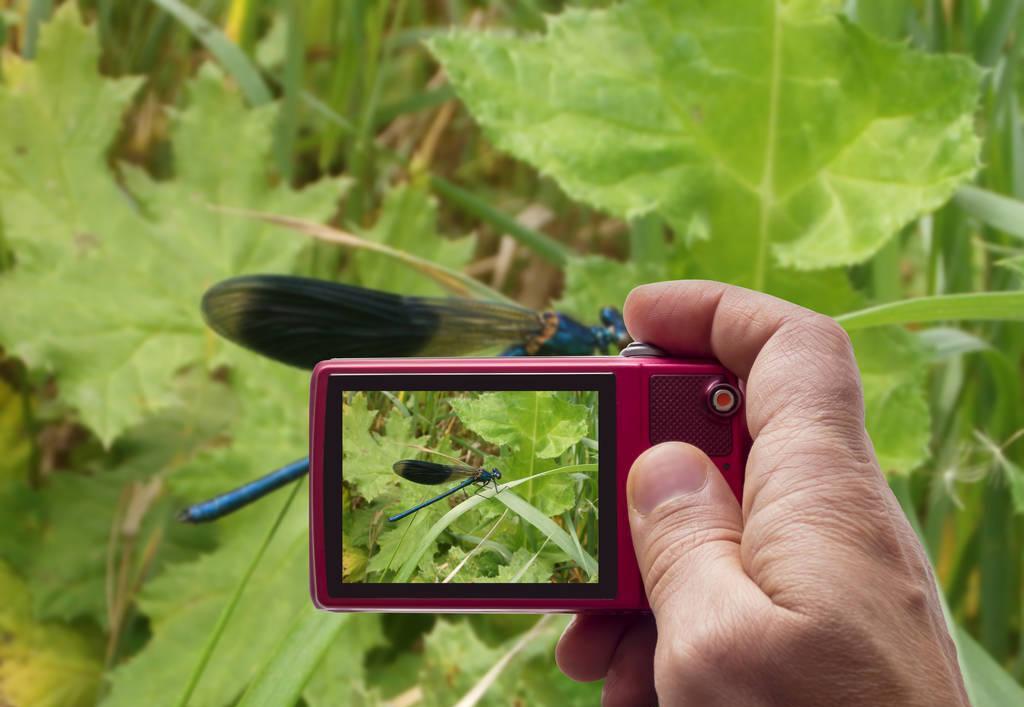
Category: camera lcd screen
<point>482,485</point>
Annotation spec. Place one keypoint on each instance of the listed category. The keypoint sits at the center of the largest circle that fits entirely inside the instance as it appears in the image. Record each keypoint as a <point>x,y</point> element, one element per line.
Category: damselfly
<point>431,473</point>
<point>302,321</point>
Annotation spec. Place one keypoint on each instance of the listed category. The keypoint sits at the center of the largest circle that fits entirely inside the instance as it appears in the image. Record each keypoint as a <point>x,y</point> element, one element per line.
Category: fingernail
<point>664,473</point>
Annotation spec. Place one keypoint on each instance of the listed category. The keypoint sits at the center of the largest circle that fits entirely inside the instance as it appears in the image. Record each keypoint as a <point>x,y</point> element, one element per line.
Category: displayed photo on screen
<point>470,486</point>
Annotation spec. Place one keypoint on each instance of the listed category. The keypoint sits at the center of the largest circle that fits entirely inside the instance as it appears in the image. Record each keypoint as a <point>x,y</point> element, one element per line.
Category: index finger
<point>793,359</point>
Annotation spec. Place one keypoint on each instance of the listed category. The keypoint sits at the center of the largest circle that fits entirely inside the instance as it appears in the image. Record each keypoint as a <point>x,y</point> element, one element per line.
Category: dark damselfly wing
<point>420,472</point>
<point>302,321</point>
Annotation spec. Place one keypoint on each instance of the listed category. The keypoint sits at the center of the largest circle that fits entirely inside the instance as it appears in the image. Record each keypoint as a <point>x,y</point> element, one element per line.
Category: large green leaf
<point>341,679</point>
<point>108,285</point>
<point>282,680</point>
<point>893,369</point>
<point>184,601</point>
<point>59,118</point>
<point>783,131</point>
<point>123,515</point>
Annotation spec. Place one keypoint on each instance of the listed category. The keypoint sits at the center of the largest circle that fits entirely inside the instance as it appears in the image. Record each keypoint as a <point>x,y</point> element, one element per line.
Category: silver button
<point>640,349</point>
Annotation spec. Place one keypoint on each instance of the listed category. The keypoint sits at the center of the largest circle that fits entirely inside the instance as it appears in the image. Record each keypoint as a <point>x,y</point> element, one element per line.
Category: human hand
<point>815,591</point>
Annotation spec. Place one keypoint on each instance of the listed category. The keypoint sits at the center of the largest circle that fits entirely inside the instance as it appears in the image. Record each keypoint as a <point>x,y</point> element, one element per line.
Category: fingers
<point>804,359</point>
<point>586,648</point>
<point>803,391</point>
<point>630,681</point>
<point>686,528</point>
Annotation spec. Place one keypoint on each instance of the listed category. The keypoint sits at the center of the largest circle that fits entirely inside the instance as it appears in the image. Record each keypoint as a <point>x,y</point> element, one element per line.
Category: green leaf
<point>185,602</point>
<point>122,513</point>
<point>396,545</point>
<point>341,679</point>
<point>533,429</point>
<point>59,117</point>
<point>368,457</point>
<point>893,370</point>
<point>282,680</point>
<point>109,292</point>
<point>593,281</point>
<point>43,664</point>
<point>782,130</point>
<point>542,424</point>
<point>525,567</point>
<point>408,222</point>
<point>453,652</point>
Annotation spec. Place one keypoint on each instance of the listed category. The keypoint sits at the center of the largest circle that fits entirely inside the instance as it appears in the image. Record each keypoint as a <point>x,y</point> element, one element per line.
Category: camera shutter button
<point>639,349</point>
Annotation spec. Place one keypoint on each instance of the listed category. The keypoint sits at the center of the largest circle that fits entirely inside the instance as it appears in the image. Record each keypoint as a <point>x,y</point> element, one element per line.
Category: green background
<point>863,158</point>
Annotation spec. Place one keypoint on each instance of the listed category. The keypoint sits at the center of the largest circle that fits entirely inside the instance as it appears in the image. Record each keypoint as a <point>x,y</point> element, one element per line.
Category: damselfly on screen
<point>470,487</point>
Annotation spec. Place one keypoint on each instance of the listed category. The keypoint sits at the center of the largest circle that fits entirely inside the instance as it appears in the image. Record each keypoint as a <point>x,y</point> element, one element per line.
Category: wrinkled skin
<point>815,591</point>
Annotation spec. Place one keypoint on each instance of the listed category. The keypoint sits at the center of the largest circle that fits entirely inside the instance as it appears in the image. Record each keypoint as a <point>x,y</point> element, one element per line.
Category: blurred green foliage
<point>811,152</point>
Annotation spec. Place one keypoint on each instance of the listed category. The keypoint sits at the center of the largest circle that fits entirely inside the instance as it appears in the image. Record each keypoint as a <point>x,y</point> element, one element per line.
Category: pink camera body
<point>644,399</point>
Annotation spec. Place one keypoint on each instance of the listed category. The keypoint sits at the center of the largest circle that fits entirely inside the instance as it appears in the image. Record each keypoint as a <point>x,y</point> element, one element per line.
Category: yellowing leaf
<point>43,665</point>
<point>15,439</point>
<point>108,284</point>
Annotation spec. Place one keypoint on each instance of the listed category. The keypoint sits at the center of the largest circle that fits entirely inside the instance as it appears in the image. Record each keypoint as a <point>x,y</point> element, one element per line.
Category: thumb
<point>686,527</point>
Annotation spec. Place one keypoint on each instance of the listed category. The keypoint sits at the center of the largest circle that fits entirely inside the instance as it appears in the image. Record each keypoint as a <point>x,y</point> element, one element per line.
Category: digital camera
<point>498,484</point>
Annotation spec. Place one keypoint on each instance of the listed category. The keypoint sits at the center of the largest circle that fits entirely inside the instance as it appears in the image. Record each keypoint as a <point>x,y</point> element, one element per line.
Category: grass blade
<point>230,56</point>
<point>1007,306</point>
<point>477,692</point>
<point>282,679</point>
<point>995,28</point>
<point>229,608</point>
<point>38,12</point>
<point>553,532</point>
<point>288,119</point>
<point>996,210</point>
<point>543,245</point>
<point>452,280</point>
<point>987,683</point>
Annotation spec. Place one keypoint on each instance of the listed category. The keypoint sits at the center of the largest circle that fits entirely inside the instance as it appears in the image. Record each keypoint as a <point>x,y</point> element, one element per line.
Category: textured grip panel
<point>679,413</point>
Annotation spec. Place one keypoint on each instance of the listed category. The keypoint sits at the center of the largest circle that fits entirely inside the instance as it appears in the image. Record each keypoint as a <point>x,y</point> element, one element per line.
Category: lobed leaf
<point>789,135</point>
<point>108,285</point>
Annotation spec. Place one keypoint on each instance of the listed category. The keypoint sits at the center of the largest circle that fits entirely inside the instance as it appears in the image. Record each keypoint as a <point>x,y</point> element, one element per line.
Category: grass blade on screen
<point>527,512</point>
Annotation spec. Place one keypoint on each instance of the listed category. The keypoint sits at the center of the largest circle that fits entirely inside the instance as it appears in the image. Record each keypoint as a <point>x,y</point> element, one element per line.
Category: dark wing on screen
<point>302,321</point>
<point>421,472</point>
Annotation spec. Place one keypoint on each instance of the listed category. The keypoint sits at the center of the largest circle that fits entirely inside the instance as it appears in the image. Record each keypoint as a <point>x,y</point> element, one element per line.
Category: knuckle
<point>683,541</point>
